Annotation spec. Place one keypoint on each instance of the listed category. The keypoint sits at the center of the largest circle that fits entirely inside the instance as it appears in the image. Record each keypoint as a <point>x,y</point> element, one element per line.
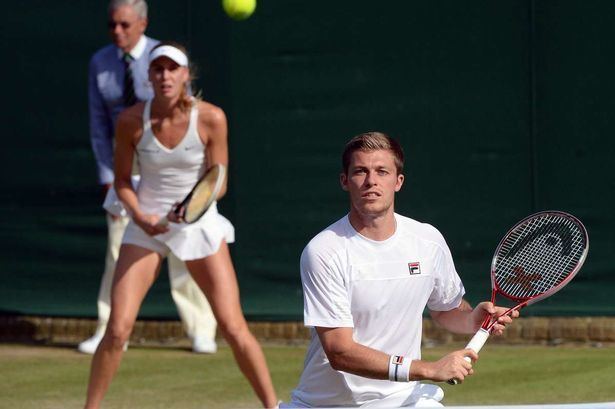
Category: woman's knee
<point>118,334</point>
<point>233,330</point>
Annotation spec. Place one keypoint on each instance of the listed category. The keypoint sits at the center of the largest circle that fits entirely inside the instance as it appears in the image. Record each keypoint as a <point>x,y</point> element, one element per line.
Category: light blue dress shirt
<point>105,91</point>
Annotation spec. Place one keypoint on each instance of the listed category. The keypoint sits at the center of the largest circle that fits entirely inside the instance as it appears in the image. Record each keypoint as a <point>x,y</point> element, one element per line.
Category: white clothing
<point>380,289</point>
<point>186,241</point>
<point>105,103</point>
<point>425,395</point>
<point>192,306</point>
<point>194,310</point>
<point>137,51</point>
<point>115,231</point>
<point>167,176</point>
<point>113,205</point>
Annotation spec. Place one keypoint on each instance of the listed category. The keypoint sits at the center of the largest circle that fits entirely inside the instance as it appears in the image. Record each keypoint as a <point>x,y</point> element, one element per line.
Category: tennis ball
<point>239,9</point>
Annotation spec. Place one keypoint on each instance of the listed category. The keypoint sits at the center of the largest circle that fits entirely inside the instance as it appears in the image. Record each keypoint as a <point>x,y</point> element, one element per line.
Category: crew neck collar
<point>367,239</point>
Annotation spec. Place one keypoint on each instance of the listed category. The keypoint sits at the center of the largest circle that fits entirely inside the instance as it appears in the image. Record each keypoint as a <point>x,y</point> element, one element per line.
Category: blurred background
<point>503,108</point>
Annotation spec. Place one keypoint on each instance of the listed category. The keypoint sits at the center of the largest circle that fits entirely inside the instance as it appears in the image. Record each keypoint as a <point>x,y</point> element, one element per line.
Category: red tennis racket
<point>534,260</point>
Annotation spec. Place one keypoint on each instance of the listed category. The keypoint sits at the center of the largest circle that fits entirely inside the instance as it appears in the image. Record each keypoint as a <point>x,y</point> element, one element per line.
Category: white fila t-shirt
<point>378,288</point>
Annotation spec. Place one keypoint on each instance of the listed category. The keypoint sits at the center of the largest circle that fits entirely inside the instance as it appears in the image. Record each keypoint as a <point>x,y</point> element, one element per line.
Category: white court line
<point>603,405</point>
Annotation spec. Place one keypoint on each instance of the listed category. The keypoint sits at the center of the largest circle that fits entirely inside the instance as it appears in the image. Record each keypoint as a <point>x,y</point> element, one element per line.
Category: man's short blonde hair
<point>373,141</point>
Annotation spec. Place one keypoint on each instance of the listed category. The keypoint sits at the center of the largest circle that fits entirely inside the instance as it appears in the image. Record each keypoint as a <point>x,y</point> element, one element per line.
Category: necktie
<point>129,84</point>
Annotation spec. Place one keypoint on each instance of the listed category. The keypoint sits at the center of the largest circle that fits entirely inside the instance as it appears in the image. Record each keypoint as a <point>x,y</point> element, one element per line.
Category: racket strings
<point>527,271</point>
<point>203,194</point>
<point>538,255</point>
<point>539,267</point>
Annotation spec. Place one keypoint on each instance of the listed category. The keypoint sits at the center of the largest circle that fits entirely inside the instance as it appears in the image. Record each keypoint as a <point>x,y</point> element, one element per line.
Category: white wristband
<point>399,368</point>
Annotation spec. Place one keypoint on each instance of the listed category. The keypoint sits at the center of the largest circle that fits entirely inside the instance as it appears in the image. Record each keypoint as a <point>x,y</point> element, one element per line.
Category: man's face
<point>125,27</point>
<point>372,181</point>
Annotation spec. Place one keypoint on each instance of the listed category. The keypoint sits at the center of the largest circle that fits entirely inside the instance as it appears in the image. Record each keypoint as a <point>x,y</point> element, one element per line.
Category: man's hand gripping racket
<point>201,197</point>
<point>534,260</point>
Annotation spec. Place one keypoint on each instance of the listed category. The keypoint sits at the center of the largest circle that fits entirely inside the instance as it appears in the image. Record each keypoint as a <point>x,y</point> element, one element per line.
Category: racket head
<point>538,256</point>
<point>203,194</point>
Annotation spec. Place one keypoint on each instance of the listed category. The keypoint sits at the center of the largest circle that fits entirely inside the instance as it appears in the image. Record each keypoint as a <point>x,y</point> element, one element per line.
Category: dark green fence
<point>503,108</point>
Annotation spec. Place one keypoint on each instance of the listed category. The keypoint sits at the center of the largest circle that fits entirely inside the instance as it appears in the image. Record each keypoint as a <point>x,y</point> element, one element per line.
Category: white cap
<point>171,52</point>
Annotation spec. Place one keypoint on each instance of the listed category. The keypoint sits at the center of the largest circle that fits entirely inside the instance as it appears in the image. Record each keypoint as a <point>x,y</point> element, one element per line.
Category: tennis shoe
<point>89,345</point>
<point>201,345</point>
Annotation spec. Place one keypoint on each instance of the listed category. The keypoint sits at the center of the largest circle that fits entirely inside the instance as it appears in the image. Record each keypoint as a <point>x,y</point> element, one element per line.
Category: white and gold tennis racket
<point>201,197</point>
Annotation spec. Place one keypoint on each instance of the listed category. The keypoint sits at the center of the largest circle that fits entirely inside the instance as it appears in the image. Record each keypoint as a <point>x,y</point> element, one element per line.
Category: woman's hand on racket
<point>495,313</point>
<point>149,224</point>
<point>451,366</point>
<point>176,214</point>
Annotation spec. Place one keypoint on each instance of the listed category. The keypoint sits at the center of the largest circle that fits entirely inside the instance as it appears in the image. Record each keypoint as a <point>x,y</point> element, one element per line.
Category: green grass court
<point>154,377</point>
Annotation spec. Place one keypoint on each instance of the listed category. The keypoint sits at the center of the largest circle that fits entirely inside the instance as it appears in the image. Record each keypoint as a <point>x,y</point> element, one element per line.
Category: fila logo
<point>414,268</point>
<point>398,360</point>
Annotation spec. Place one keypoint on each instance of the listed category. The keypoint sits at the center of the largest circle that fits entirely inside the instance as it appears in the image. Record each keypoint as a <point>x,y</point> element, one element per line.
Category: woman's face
<point>167,77</point>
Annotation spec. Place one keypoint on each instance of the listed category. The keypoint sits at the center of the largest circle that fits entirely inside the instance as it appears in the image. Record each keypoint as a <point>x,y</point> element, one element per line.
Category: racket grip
<point>163,221</point>
<point>475,344</point>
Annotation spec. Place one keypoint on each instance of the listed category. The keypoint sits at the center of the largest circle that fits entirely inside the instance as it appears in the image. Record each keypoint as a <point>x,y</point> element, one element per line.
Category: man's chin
<point>120,43</point>
<point>373,211</point>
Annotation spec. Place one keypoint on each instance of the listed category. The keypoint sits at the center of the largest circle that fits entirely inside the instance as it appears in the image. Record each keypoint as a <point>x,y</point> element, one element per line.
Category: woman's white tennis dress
<point>167,176</point>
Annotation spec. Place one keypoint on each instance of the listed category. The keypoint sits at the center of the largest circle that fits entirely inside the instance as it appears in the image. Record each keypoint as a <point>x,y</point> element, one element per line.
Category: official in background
<point>118,79</point>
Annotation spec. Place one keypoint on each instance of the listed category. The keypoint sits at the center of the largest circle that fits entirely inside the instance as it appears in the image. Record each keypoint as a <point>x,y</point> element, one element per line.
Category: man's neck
<point>375,227</point>
<point>135,50</point>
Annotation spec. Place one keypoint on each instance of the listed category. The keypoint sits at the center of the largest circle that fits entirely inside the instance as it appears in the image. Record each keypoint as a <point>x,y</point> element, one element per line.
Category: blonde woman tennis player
<point>174,138</point>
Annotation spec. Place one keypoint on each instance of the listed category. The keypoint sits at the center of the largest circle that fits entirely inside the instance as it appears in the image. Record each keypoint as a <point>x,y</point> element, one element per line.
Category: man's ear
<point>400,182</point>
<point>143,22</point>
<point>344,181</point>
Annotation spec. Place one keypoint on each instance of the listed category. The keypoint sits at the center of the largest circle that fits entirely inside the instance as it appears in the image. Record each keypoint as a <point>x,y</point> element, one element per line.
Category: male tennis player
<point>366,281</point>
<point>117,80</point>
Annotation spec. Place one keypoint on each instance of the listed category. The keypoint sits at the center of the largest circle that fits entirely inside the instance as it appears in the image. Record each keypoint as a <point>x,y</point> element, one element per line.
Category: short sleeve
<point>448,289</point>
<point>325,296</point>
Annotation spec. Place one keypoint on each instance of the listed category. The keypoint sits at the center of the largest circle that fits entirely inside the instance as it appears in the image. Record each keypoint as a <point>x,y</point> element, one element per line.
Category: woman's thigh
<point>215,275</point>
<point>136,271</point>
